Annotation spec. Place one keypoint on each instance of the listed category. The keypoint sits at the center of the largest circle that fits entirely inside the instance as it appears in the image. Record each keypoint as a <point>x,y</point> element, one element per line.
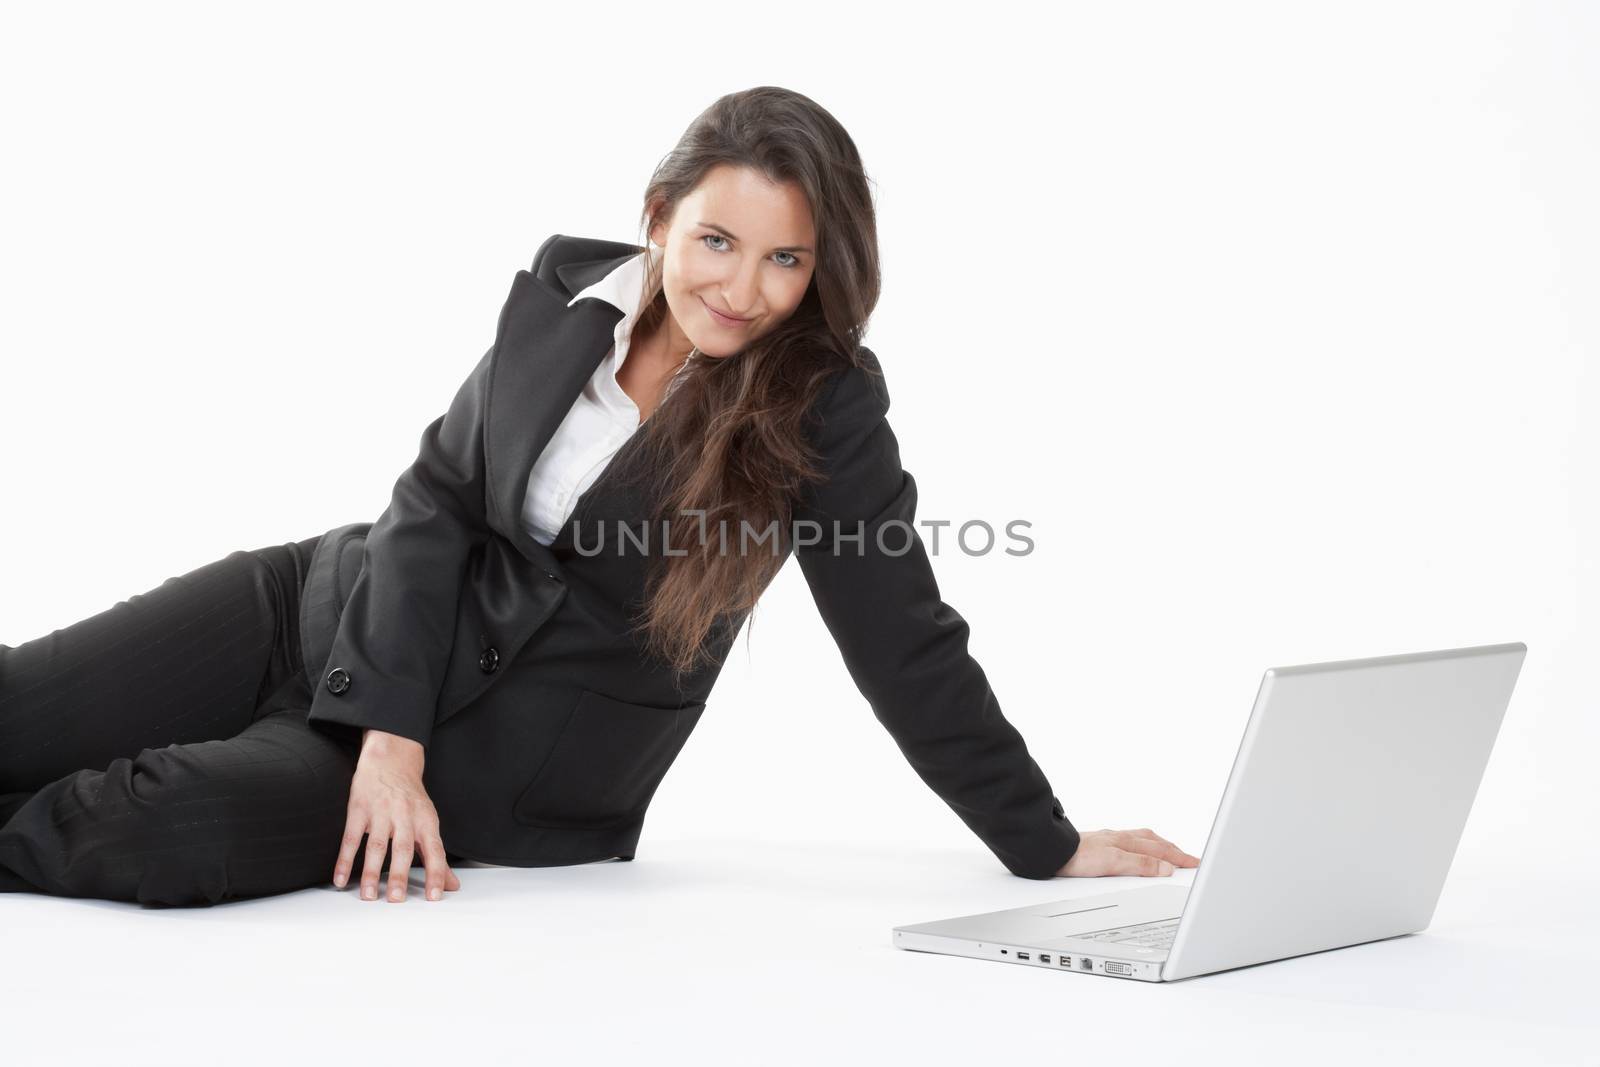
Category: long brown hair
<point>728,439</point>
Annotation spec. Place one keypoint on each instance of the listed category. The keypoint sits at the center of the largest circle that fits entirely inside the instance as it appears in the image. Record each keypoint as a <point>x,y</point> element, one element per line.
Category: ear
<point>660,222</point>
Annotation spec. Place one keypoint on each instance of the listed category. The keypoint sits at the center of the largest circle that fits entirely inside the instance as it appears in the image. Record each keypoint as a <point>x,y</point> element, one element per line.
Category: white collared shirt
<point>601,419</point>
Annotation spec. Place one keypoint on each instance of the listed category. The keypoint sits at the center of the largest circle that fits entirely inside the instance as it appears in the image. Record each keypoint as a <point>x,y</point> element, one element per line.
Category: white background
<point>1277,323</point>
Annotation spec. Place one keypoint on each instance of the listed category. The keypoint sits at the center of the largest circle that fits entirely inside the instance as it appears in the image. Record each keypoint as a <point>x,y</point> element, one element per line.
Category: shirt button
<point>338,680</point>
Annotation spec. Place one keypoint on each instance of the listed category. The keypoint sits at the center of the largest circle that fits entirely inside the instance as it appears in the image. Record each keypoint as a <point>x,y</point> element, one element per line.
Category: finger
<point>1144,865</point>
<point>354,826</point>
<point>1155,845</point>
<point>437,866</point>
<point>400,865</point>
<point>1182,858</point>
<point>1175,855</point>
<point>377,847</point>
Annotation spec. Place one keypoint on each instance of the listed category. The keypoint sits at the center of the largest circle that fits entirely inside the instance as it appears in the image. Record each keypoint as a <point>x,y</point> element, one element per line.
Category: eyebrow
<point>728,234</point>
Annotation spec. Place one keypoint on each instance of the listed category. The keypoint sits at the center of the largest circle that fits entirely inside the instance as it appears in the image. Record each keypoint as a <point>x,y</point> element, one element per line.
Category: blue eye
<point>718,237</point>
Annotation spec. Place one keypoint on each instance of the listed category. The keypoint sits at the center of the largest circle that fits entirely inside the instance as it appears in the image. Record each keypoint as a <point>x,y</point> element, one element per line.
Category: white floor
<point>707,952</point>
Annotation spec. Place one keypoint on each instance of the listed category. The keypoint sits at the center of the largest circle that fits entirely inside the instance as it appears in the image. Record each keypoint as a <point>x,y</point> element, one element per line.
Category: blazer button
<point>338,680</point>
<point>489,661</point>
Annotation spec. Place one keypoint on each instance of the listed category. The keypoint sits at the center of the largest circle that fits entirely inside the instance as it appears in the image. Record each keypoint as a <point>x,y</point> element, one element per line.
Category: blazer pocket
<point>606,764</point>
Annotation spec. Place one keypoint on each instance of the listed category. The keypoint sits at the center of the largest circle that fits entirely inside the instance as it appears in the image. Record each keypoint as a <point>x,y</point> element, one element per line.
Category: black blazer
<point>446,603</point>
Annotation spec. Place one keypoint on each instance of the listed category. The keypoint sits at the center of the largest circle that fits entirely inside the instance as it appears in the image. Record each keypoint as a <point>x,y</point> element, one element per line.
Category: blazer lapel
<point>545,353</point>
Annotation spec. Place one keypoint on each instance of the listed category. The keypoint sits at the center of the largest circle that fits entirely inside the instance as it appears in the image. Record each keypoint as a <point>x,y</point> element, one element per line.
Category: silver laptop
<point>1337,827</point>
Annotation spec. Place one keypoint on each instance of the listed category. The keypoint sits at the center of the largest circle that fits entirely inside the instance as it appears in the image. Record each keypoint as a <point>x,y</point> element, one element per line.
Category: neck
<point>665,346</point>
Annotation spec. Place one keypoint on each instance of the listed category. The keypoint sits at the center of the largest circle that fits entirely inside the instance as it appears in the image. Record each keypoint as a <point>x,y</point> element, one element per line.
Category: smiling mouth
<point>726,320</point>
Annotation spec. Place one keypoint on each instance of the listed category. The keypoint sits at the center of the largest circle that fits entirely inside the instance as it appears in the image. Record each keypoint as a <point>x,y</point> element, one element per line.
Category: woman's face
<point>737,245</point>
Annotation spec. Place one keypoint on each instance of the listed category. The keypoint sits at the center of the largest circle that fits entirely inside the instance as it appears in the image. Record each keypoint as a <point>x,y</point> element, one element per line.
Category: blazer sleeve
<point>904,647</point>
<point>397,628</point>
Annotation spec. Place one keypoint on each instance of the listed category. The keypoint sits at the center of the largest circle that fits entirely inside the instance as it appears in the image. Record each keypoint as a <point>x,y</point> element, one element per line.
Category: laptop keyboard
<point>1145,935</point>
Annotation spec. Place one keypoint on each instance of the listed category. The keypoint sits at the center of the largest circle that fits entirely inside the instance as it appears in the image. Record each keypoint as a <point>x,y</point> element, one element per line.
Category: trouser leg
<point>191,824</point>
<point>190,660</point>
<point>231,792</point>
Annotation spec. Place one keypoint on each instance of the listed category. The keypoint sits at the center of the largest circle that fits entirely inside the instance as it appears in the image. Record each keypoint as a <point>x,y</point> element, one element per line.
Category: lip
<point>725,320</point>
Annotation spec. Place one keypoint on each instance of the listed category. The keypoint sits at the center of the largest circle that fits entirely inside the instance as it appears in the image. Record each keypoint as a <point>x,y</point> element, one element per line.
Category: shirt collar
<point>622,286</point>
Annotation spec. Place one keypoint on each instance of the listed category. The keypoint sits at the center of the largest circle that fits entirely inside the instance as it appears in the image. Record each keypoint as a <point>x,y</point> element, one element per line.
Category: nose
<point>739,292</point>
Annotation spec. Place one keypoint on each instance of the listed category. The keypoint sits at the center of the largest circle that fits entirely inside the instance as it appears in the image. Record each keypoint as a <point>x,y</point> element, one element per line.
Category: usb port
<point>1044,957</point>
<point>1066,961</point>
<point>1022,956</point>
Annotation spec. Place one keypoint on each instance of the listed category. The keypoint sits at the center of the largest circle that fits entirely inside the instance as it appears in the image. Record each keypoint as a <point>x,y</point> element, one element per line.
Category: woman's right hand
<point>387,801</point>
<point>1102,853</point>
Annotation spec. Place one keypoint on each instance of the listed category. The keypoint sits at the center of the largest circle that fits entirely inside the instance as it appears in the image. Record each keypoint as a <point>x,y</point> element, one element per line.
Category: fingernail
<point>396,894</point>
<point>434,893</point>
<point>1166,868</point>
<point>369,892</point>
<point>338,880</point>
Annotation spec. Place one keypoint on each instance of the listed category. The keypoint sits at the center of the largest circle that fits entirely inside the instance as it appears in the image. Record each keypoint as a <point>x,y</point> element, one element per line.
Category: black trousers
<point>159,751</point>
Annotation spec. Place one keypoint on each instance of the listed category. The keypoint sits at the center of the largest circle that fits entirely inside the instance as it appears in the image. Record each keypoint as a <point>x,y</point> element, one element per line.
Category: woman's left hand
<point>1106,853</point>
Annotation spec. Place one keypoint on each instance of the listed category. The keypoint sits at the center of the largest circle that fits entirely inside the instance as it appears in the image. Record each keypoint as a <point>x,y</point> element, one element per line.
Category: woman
<point>482,666</point>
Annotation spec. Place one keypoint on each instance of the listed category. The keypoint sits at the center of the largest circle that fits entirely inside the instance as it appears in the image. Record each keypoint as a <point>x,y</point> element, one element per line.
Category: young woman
<point>508,660</point>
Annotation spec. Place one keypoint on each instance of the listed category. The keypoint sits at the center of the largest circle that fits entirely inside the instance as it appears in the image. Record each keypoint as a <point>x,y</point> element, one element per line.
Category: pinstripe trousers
<point>159,751</point>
